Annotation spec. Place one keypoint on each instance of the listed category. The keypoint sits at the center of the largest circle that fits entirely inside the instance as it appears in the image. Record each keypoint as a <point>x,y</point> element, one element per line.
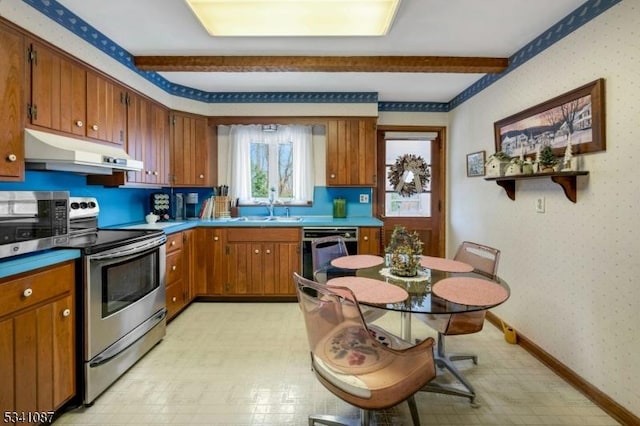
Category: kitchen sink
<point>285,219</point>
<point>267,219</point>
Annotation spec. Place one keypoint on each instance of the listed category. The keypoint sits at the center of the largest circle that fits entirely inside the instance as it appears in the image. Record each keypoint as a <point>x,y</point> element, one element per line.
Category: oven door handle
<point>123,344</point>
<point>123,252</point>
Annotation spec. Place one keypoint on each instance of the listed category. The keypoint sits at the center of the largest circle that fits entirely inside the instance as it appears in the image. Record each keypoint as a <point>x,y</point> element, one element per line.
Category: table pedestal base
<point>443,362</point>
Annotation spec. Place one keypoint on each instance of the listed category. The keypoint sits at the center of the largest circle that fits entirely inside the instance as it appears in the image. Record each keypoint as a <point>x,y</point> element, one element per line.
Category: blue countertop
<point>306,221</point>
<point>28,262</point>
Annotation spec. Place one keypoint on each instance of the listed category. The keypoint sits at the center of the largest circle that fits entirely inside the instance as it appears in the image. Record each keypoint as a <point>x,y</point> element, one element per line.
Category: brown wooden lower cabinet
<point>245,262</point>
<point>369,240</point>
<point>37,341</point>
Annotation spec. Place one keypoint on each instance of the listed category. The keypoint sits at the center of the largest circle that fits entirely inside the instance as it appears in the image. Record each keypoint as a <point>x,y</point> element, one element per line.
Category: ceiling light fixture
<point>295,17</point>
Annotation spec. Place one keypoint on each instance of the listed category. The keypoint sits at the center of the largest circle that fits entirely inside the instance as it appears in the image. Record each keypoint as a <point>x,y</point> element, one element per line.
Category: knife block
<point>221,207</point>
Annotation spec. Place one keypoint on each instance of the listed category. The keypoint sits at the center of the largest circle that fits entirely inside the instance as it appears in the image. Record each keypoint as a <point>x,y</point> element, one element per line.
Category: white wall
<point>574,271</point>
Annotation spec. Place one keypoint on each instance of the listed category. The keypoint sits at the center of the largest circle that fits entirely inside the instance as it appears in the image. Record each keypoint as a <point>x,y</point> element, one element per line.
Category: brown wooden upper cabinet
<point>65,96</point>
<point>148,139</point>
<point>351,153</point>
<point>11,107</point>
<point>58,91</point>
<point>106,109</point>
<point>189,150</point>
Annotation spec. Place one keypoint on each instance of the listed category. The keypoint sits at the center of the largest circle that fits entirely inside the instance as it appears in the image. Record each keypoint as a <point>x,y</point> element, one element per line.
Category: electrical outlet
<point>364,198</point>
<point>540,205</point>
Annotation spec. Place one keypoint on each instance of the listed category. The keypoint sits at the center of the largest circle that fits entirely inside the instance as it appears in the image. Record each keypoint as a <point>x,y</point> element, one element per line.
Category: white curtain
<point>239,170</point>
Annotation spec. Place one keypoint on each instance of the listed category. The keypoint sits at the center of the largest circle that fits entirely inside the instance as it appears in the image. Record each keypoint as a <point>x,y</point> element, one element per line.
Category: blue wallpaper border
<point>63,16</point>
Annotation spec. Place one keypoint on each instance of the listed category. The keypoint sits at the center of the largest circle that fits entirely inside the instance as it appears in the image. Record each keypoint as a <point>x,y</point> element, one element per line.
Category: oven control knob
<point>66,313</point>
<point>92,204</point>
<point>28,292</point>
<point>75,205</point>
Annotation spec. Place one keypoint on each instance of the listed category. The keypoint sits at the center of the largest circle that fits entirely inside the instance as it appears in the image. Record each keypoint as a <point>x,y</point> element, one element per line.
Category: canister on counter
<point>339,208</point>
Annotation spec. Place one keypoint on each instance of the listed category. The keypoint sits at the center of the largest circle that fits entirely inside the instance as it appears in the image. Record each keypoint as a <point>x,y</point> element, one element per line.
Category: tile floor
<point>248,364</point>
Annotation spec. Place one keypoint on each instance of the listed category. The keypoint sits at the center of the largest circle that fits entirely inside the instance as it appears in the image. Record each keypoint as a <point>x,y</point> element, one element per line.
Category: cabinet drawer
<point>175,298</point>
<point>174,267</point>
<point>34,288</point>
<point>174,242</point>
<point>263,234</point>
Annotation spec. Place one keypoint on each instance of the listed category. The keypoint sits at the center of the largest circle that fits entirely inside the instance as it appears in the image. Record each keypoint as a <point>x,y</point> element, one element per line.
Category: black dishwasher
<point>350,235</point>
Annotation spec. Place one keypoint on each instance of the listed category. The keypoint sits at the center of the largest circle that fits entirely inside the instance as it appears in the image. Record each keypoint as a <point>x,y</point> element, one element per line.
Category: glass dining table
<point>454,288</point>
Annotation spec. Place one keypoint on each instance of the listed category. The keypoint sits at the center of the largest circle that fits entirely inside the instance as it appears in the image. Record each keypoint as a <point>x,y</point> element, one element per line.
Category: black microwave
<point>32,221</point>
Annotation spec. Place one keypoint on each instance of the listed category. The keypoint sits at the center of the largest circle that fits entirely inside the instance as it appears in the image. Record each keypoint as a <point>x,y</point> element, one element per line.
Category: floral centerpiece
<point>403,252</point>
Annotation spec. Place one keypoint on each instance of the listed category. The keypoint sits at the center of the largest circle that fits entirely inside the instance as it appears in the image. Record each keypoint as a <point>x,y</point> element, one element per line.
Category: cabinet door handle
<point>12,157</point>
<point>366,238</point>
<point>332,176</point>
<point>28,292</point>
<point>79,123</point>
<point>256,251</point>
<point>215,238</point>
<point>155,173</point>
<point>201,176</point>
<point>66,313</point>
<point>268,251</point>
<point>173,243</point>
<point>174,267</point>
<point>173,299</point>
<point>94,127</point>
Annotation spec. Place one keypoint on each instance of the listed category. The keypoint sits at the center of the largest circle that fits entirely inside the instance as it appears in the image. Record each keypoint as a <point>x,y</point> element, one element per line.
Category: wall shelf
<point>567,180</point>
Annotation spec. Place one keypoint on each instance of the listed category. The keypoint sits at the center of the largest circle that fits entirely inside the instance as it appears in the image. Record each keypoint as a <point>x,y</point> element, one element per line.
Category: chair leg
<point>328,420</point>
<point>365,417</point>
<point>414,410</point>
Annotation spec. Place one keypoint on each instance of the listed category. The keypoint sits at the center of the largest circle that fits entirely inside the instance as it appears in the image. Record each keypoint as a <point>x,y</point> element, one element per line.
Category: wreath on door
<point>409,175</point>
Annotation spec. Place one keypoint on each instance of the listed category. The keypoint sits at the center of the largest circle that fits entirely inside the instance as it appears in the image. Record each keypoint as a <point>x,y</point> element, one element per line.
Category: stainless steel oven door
<point>125,287</point>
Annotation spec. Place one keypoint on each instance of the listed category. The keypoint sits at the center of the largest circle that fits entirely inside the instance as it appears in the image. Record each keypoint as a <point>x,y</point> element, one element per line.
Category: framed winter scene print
<point>574,118</point>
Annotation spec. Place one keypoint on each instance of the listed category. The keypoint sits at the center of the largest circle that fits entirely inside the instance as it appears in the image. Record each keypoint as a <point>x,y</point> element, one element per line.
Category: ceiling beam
<point>418,64</point>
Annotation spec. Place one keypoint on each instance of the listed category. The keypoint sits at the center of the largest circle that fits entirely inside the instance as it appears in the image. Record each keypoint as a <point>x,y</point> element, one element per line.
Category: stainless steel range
<point>122,295</point>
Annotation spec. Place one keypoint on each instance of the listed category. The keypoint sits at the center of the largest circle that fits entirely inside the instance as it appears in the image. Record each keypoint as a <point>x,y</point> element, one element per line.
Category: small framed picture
<point>475,164</point>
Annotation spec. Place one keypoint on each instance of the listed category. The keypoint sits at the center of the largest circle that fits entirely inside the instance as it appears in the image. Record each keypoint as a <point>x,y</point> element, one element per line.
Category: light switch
<point>540,205</point>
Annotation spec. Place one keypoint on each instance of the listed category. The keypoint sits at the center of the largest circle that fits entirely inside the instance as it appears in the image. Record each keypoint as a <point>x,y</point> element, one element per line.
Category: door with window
<point>411,183</point>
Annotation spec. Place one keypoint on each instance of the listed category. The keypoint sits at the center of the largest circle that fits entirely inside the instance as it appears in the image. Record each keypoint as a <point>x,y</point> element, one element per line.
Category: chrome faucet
<point>272,200</point>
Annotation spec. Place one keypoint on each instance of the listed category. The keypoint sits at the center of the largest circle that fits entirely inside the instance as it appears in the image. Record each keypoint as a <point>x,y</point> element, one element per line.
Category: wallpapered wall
<point>574,270</point>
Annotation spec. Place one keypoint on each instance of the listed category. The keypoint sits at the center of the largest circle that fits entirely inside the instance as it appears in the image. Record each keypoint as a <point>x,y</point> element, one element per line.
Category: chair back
<point>325,249</point>
<point>484,259</point>
<point>353,361</point>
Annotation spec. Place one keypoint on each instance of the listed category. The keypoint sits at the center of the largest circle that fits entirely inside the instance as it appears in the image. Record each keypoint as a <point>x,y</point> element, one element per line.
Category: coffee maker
<point>191,205</point>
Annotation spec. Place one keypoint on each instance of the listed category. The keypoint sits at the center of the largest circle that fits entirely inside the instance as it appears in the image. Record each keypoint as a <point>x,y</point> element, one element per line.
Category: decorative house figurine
<point>496,164</point>
<point>404,252</point>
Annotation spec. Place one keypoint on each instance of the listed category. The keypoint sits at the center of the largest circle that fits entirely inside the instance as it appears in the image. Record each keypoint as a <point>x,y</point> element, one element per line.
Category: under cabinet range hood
<point>48,151</point>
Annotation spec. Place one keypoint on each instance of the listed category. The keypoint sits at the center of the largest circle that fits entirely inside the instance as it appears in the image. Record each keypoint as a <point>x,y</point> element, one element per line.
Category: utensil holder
<point>221,207</point>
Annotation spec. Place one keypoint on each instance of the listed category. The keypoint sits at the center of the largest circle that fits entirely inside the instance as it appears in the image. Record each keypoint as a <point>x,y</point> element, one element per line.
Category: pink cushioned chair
<point>324,250</point>
<point>484,260</point>
<point>363,365</point>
